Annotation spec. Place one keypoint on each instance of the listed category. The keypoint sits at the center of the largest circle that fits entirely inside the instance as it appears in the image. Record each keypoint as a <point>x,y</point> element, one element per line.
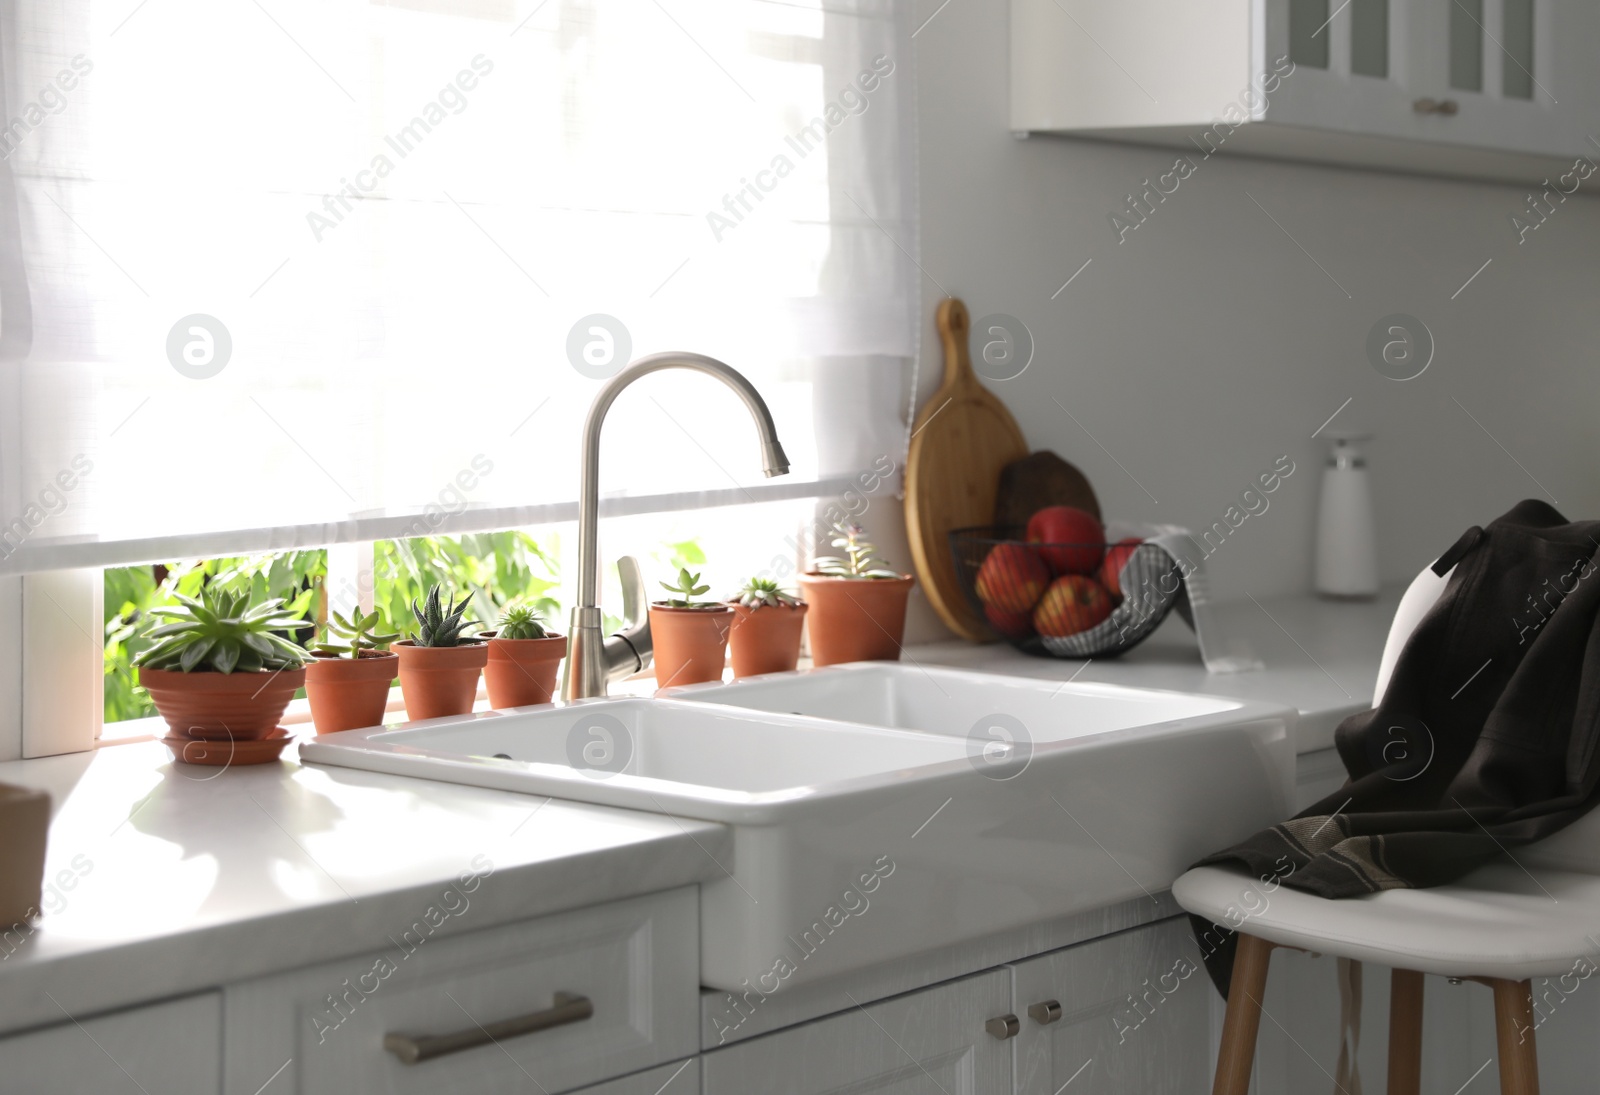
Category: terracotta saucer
<point>220,754</point>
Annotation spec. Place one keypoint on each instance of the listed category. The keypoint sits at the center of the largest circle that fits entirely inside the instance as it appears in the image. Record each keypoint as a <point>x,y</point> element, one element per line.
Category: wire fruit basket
<point>1065,600</point>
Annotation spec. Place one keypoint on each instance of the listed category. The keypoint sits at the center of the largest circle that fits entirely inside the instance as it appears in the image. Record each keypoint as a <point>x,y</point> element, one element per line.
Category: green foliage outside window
<point>496,568</point>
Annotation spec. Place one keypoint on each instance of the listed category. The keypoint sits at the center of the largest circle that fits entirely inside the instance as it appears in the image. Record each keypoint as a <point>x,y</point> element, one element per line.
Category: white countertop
<point>185,878</point>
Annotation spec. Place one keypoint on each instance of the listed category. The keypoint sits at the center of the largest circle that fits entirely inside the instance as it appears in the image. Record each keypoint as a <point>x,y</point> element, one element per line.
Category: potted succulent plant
<point>439,664</point>
<point>766,629</point>
<point>523,658</point>
<point>858,602</point>
<point>690,636</point>
<point>219,670</point>
<point>347,681</point>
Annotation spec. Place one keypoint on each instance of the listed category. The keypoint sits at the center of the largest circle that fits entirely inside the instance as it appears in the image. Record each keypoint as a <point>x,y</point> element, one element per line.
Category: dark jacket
<point>1486,737</point>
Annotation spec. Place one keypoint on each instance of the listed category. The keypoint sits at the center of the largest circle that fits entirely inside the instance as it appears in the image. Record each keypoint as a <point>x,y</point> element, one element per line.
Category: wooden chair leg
<point>1405,1033</point>
<point>1243,1018</point>
<point>1513,1024</point>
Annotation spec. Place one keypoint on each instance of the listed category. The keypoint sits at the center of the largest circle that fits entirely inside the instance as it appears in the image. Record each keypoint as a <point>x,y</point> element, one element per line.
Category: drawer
<point>678,1078</point>
<point>323,1029</point>
<point>171,1047</point>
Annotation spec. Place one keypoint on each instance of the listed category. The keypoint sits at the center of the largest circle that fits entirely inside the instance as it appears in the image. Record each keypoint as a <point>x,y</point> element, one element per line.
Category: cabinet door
<point>1124,1015</point>
<point>1511,74</point>
<point>1507,75</point>
<point>1357,65</point>
<point>170,1047</point>
<point>931,1042</point>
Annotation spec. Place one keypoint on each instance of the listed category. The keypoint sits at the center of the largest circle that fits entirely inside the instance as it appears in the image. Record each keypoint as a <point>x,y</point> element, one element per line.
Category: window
<point>307,272</point>
<point>300,272</point>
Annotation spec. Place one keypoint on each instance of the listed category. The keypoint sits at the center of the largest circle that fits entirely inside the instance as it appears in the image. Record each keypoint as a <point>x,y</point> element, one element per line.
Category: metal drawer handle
<point>1006,1026</point>
<point>412,1049</point>
<point>1436,106</point>
<point>1047,1011</point>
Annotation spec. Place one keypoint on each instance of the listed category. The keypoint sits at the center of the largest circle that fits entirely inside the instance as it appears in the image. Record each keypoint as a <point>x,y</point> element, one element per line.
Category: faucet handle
<point>635,605</point>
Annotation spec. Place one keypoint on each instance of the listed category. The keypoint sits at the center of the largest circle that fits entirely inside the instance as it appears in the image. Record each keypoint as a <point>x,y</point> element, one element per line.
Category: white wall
<point>1208,344</point>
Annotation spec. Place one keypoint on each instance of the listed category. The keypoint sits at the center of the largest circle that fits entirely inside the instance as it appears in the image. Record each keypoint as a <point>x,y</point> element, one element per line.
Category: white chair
<point>1499,925</point>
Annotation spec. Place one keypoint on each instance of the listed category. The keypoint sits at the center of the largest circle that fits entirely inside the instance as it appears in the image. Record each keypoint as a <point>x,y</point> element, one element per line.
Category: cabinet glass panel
<point>1516,81</point>
<point>1466,45</point>
<point>1369,38</point>
<point>1308,34</point>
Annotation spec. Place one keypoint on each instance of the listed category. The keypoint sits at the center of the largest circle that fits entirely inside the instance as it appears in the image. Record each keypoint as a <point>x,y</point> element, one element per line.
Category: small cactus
<point>759,592</point>
<point>518,622</point>
<point>439,623</point>
<point>222,633</point>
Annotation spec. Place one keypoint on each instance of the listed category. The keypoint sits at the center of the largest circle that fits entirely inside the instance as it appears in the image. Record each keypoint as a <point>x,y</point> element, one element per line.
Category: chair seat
<point>1498,921</point>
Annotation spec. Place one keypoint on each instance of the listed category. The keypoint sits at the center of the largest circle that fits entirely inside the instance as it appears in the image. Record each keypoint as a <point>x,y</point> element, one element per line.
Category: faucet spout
<point>589,667</point>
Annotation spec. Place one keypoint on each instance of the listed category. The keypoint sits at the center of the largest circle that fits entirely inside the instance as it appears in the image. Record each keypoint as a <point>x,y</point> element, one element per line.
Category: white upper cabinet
<point>1480,88</point>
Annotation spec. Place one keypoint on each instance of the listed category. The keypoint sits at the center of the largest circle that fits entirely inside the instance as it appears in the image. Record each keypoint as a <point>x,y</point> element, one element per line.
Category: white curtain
<point>284,272</point>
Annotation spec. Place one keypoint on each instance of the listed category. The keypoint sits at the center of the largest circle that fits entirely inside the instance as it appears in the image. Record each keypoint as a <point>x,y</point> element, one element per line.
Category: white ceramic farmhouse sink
<point>952,702</point>
<point>857,843</point>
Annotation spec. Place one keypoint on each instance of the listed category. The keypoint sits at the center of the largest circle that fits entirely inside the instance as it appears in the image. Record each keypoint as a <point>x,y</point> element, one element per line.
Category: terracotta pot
<point>349,693</point>
<point>691,644</point>
<point>222,706</point>
<point>855,619</point>
<point>523,671</point>
<point>437,681</point>
<point>765,639</point>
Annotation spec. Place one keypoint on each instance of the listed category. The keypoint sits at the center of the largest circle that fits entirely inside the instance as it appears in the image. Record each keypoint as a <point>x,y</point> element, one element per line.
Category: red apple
<point>1117,556</point>
<point>1072,604</point>
<point>1075,540</point>
<point>1011,625</point>
<point>1012,578</point>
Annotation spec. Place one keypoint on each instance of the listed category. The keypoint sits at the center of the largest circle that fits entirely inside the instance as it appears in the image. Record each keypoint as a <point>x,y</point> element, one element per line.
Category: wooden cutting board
<point>963,438</point>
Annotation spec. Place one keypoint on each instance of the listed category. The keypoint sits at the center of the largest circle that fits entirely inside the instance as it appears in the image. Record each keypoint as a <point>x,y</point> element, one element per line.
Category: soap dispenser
<point>1347,549</point>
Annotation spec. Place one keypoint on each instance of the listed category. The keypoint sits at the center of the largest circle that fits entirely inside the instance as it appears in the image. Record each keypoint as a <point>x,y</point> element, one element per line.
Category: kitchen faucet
<point>593,661</point>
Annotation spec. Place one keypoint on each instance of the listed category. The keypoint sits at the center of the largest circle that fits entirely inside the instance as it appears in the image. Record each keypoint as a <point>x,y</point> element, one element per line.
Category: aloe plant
<point>521,622</point>
<point>759,592</point>
<point>439,621</point>
<point>221,632</point>
<point>358,633</point>
<point>860,558</point>
<point>688,587</point>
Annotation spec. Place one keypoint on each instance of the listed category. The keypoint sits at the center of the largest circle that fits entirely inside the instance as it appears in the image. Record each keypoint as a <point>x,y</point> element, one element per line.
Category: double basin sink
<point>882,809</point>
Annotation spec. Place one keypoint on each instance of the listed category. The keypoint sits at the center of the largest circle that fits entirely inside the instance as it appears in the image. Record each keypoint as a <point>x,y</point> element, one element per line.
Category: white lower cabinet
<point>1123,1015</point>
<point>931,1042</point>
<point>548,1005</point>
<point>174,1048</point>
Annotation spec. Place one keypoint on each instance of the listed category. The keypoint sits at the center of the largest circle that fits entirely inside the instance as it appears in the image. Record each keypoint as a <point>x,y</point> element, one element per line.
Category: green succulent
<point>688,588</point>
<point>358,632</point>
<point>439,622</point>
<point>860,558</point>
<point>519,622</point>
<point>758,592</point>
<point>220,632</point>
